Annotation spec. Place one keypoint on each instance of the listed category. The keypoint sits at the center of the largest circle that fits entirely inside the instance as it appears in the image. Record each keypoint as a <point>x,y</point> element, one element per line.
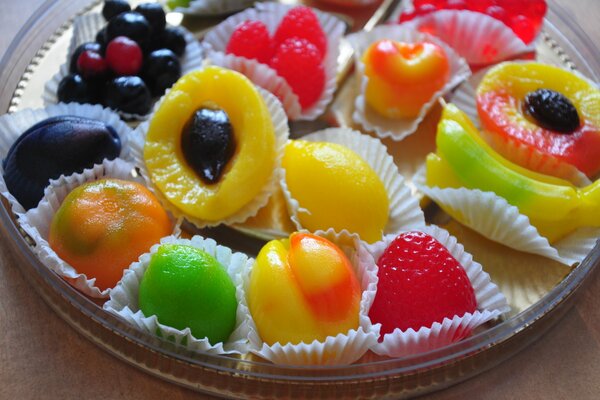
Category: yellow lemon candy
<point>337,188</point>
<point>246,172</point>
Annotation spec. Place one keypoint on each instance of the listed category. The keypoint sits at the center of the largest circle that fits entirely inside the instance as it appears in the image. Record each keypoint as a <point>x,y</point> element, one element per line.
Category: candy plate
<point>539,290</point>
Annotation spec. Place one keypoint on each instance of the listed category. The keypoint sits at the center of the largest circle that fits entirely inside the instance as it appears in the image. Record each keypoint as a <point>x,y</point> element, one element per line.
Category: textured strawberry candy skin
<point>420,283</point>
<point>251,40</point>
<point>298,62</point>
<point>303,23</point>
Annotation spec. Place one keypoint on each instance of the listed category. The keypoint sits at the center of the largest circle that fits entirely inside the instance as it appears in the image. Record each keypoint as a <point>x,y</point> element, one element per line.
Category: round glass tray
<point>539,291</point>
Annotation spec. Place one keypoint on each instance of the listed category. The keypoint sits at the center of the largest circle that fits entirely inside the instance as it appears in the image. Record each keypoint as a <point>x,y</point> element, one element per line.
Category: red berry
<point>523,27</point>
<point>419,283</point>
<point>298,61</point>
<point>480,5</point>
<point>124,56</point>
<point>456,5</point>
<point>251,39</point>
<point>90,64</point>
<point>426,9</point>
<point>302,22</point>
<point>537,9</point>
<point>407,16</point>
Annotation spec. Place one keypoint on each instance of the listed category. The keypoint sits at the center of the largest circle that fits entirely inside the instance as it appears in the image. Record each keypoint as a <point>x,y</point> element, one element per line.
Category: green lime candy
<point>173,4</point>
<point>186,287</point>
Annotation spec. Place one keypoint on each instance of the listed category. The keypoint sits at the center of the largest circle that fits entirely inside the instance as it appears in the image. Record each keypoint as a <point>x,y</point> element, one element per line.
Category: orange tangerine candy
<point>103,226</point>
<point>303,289</point>
<point>402,77</point>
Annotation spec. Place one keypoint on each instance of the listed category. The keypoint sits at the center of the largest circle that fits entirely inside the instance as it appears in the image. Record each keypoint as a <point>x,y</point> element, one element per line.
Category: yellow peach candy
<point>252,163</point>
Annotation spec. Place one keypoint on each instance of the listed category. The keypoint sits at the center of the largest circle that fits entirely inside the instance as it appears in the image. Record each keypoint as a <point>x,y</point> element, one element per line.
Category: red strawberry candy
<point>251,40</point>
<point>302,22</point>
<point>419,283</point>
<point>298,61</point>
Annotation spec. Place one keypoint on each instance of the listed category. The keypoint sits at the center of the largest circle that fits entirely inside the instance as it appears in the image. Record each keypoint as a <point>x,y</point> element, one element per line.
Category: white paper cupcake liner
<point>493,217</point>
<point>344,348</point>
<point>404,208</point>
<point>36,222</point>
<point>124,299</point>
<point>12,126</point>
<point>478,38</point>
<point>213,7</point>
<point>281,130</point>
<point>465,98</point>
<point>491,303</point>
<point>271,15</point>
<point>85,28</point>
<point>398,129</point>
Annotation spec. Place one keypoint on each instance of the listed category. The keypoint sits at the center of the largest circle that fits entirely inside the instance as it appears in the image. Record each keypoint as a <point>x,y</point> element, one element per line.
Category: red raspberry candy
<point>90,64</point>
<point>302,22</point>
<point>298,61</point>
<point>251,40</point>
<point>419,283</point>
<point>124,56</point>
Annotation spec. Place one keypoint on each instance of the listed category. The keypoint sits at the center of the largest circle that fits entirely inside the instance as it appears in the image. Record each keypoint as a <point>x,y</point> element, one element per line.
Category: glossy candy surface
<point>103,226</point>
<point>420,283</point>
<point>303,289</point>
<point>463,159</point>
<point>53,147</point>
<point>500,99</point>
<point>247,171</point>
<point>186,287</point>
<point>402,77</point>
<point>337,188</point>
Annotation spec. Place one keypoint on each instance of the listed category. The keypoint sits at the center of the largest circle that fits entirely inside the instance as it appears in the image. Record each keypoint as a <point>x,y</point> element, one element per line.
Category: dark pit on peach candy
<point>207,143</point>
<point>551,110</point>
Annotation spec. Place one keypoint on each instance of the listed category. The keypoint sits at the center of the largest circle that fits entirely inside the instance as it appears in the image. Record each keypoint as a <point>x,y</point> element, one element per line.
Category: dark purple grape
<point>80,49</point>
<point>73,88</point>
<point>131,24</point>
<point>155,15</point>
<point>56,146</point>
<point>173,38</point>
<point>112,8</point>
<point>128,94</point>
<point>161,70</point>
<point>101,40</point>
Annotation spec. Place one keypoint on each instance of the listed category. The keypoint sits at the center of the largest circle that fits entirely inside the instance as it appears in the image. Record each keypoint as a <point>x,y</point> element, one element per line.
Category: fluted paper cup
<point>124,299</point>
<point>344,348</point>
<point>491,303</point>
<point>395,128</point>
<point>36,222</point>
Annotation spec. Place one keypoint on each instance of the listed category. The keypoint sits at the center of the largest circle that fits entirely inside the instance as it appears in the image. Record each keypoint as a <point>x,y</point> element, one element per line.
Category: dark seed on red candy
<point>173,38</point>
<point>80,49</point>
<point>155,15</point>
<point>73,88</point>
<point>161,70</point>
<point>131,24</point>
<point>128,94</point>
<point>113,8</point>
<point>552,110</point>
<point>53,147</point>
<point>207,143</point>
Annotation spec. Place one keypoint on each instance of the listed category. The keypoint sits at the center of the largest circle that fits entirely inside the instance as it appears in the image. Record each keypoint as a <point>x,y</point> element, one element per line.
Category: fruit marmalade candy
<point>303,289</point>
<point>403,77</point>
<point>545,108</point>
<point>420,283</point>
<point>463,159</point>
<point>524,17</point>
<point>337,188</point>
<point>296,51</point>
<point>208,152</point>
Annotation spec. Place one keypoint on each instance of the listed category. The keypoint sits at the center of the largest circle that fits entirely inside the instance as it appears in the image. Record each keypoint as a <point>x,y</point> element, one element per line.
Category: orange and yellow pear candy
<point>303,289</point>
<point>403,77</point>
